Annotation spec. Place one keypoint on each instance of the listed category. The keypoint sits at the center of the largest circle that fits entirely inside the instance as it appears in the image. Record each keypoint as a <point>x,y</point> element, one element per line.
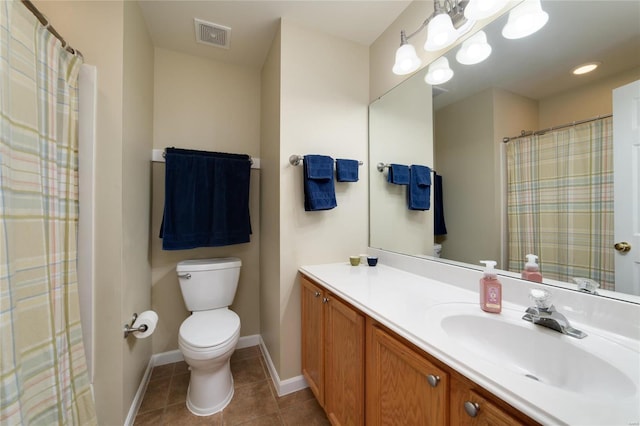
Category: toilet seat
<point>206,330</point>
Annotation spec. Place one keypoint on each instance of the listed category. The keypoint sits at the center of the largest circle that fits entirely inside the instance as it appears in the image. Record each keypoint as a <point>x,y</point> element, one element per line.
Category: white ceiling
<point>578,31</point>
<point>254,23</point>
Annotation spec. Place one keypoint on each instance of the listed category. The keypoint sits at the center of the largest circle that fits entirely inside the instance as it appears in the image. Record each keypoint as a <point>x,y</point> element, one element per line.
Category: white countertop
<point>404,302</point>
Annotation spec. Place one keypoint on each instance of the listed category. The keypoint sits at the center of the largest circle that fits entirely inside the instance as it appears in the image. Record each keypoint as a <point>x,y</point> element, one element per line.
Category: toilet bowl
<point>208,337</point>
<point>207,340</point>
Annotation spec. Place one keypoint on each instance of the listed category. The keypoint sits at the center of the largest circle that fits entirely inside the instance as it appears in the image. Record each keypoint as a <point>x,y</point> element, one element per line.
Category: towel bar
<point>157,156</point>
<point>296,160</point>
<point>382,166</point>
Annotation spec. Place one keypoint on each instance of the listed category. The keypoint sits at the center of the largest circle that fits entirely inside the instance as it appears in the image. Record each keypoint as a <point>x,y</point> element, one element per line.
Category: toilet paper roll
<point>148,318</point>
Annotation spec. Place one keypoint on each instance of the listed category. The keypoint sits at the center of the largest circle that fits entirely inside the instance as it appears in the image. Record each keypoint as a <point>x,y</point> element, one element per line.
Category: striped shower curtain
<point>43,375</point>
<point>560,202</point>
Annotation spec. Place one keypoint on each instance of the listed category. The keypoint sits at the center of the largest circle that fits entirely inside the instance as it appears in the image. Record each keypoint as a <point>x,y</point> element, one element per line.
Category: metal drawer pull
<point>316,294</point>
<point>325,300</point>
<point>471,408</point>
<point>186,276</point>
<point>433,380</point>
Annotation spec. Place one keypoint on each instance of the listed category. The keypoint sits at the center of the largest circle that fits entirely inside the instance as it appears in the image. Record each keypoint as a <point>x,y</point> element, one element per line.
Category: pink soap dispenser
<point>531,270</point>
<point>490,289</point>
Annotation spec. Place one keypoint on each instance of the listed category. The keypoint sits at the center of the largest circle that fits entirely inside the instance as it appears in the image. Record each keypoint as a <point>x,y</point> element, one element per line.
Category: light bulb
<point>474,50</point>
<point>407,60</point>
<point>525,19</point>
<point>439,72</point>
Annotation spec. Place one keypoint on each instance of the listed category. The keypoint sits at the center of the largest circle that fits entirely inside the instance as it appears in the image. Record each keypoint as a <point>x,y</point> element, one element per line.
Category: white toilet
<point>209,336</point>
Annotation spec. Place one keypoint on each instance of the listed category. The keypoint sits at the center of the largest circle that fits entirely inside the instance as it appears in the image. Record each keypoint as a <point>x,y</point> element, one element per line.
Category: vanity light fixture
<point>439,72</point>
<point>407,60</point>
<point>444,26</point>
<point>525,19</point>
<point>474,50</point>
<point>585,68</point>
<point>481,9</point>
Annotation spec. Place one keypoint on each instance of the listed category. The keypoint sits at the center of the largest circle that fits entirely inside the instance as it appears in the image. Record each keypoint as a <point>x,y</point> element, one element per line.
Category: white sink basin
<point>592,367</point>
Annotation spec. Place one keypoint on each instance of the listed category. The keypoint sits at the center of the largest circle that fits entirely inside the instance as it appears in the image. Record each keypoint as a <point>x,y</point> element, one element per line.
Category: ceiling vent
<point>212,34</point>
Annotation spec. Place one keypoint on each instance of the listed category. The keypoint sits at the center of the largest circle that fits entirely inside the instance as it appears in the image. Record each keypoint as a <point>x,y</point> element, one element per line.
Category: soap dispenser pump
<point>490,289</point>
<point>531,269</point>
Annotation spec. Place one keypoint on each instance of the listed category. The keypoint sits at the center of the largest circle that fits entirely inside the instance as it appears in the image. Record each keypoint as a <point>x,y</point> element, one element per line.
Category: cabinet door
<point>403,388</point>
<point>478,410</point>
<point>313,337</point>
<point>344,374</point>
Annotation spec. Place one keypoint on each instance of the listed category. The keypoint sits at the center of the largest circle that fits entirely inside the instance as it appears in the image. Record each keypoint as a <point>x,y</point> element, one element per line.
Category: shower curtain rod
<point>562,126</point>
<point>44,21</point>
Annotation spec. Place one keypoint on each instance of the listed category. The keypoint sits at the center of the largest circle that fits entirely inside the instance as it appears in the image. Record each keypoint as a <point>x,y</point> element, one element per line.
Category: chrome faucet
<point>545,314</point>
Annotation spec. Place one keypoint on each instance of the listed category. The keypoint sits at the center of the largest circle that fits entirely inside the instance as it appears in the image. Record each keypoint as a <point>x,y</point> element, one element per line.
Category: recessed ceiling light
<point>585,68</point>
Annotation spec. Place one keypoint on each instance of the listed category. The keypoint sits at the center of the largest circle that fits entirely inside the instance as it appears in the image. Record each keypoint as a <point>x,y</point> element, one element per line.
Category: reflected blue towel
<point>398,174</point>
<point>439,228</point>
<point>347,170</point>
<point>319,189</point>
<point>206,199</point>
<point>419,189</point>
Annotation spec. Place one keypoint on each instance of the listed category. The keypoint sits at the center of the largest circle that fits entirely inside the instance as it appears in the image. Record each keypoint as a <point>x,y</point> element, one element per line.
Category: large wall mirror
<point>457,128</point>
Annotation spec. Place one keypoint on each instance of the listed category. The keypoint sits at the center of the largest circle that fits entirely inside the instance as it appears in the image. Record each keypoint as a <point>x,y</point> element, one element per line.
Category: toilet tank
<point>208,283</point>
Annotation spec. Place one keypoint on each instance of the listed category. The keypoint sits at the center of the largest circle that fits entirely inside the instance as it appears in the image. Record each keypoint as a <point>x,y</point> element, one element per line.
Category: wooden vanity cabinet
<point>333,353</point>
<point>403,384</point>
<point>313,337</point>
<point>469,407</point>
<point>403,387</point>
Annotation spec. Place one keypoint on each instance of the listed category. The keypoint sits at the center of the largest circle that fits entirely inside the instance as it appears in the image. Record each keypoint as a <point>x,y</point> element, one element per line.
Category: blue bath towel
<point>398,174</point>
<point>419,189</point>
<point>319,188</point>
<point>439,227</point>
<point>347,170</point>
<point>206,199</point>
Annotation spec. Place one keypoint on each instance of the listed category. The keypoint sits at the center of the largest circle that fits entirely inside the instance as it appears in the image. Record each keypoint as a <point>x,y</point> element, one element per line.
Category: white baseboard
<point>137,399</point>
<point>166,358</point>
<point>176,356</point>
<point>248,341</point>
<point>283,387</point>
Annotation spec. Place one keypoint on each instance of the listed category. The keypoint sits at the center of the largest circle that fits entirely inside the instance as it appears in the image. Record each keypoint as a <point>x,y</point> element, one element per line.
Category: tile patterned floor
<point>255,401</point>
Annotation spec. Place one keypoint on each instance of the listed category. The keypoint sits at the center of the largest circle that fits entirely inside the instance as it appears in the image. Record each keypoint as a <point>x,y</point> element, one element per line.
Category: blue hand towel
<point>319,189</point>
<point>419,189</point>
<point>439,227</point>
<point>206,199</point>
<point>398,174</point>
<point>347,170</point>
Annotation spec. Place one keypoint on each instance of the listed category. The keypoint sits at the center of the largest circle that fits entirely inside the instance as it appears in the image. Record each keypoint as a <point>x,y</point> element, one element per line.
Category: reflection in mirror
<point>524,85</point>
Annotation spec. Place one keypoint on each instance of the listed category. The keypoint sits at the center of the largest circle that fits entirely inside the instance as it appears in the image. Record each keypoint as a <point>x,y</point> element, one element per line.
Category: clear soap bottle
<point>531,269</point>
<point>490,289</point>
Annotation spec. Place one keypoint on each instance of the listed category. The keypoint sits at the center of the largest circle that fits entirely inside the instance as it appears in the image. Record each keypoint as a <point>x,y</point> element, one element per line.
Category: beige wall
<point>270,201</point>
<point>470,158</point>
<point>206,105</point>
<point>465,156</point>
<point>112,36</point>
<point>400,132</point>
<point>383,50</point>
<point>97,30</point>
<point>583,103</point>
<point>322,111</point>
<point>136,191</point>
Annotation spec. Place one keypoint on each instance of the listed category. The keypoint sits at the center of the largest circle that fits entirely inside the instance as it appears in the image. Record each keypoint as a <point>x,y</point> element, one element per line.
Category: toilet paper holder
<point>128,329</point>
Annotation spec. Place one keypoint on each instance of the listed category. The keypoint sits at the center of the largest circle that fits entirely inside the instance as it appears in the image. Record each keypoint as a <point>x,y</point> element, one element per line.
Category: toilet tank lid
<point>208,264</point>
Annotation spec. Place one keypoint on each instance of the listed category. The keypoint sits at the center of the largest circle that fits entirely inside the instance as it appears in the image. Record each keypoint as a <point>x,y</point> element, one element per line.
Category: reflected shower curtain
<point>560,202</point>
<point>43,376</point>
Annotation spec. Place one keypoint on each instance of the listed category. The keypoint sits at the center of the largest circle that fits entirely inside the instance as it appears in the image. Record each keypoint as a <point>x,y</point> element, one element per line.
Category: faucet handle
<point>541,297</point>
